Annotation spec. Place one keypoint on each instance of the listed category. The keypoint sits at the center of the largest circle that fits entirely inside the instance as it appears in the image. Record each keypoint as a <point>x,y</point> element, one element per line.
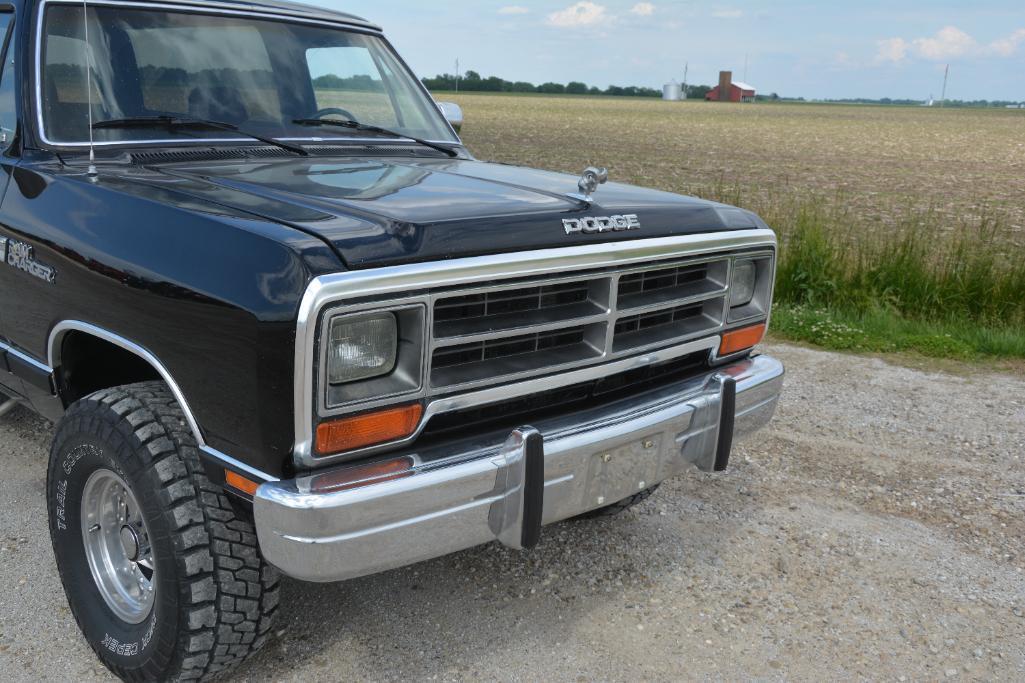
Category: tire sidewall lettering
<point>128,642</point>
<point>67,467</point>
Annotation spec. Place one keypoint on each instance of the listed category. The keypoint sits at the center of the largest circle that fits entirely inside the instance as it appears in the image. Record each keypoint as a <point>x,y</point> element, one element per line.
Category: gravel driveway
<point>875,531</point>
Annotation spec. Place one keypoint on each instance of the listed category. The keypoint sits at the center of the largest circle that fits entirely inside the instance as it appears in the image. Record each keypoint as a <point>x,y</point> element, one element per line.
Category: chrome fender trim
<point>61,330</point>
<point>54,346</point>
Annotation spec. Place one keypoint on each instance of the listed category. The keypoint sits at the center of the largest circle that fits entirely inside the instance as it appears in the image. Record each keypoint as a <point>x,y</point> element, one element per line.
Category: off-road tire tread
<point>622,505</point>
<point>228,595</point>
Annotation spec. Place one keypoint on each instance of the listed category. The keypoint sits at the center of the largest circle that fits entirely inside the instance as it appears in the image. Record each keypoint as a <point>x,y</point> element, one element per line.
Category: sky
<point>871,48</point>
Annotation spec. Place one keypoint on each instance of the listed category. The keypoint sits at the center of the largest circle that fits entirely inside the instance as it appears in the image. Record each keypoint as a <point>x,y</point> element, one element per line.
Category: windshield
<point>260,75</point>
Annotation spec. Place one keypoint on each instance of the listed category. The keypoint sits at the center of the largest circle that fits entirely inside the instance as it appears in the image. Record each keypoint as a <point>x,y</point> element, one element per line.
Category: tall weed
<point>960,282</point>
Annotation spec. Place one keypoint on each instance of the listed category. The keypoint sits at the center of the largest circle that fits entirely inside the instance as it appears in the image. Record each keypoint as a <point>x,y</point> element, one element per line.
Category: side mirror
<point>453,113</point>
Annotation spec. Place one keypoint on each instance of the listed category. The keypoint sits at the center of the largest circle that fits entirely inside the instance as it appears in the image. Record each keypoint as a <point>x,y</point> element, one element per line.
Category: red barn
<point>730,90</point>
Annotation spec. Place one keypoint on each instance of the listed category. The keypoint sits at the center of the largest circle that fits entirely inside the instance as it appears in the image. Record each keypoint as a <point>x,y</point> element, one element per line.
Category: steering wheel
<point>338,111</point>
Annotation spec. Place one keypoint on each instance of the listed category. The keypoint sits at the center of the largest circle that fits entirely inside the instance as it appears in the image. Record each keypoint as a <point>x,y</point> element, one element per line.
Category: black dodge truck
<point>285,322</point>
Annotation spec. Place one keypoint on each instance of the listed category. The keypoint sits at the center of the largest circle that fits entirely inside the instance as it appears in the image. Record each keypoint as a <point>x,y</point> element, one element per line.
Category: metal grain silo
<point>672,92</point>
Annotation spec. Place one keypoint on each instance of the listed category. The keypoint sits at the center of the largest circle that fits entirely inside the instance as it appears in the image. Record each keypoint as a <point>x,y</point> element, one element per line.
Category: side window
<point>8,111</point>
<point>347,78</point>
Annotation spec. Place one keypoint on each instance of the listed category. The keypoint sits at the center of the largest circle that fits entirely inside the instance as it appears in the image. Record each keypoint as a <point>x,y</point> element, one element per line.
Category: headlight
<point>742,286</point>
<point>372,356</point>
<point>361,347</point>
<point>750,287</point>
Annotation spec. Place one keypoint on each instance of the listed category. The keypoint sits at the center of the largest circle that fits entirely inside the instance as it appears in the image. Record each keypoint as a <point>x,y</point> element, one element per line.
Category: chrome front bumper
<point>506,489</point>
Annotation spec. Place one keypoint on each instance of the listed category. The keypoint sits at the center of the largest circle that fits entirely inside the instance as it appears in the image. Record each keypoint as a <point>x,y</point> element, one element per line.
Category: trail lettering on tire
<point>62,493</point>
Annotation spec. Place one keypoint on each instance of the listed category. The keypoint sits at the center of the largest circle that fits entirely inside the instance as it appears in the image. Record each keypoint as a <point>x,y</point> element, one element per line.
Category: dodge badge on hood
<point>598,224</point>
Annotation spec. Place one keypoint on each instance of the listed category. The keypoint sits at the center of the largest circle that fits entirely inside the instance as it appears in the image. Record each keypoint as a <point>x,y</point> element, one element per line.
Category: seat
<point>65,121</point>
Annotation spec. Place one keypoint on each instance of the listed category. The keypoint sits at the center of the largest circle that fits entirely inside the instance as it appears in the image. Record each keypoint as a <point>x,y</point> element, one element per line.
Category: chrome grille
<point>422,287</point>
<point>505,332</point>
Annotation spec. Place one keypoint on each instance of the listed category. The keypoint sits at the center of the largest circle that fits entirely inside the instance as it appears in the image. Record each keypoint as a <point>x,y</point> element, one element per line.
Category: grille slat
<point>657,327</point>
<point>514,355</point>
<point>654,288</point>
<point>501,348</point>
<point>518,325</point>
<point>501,333</point>
<point>515,309</point>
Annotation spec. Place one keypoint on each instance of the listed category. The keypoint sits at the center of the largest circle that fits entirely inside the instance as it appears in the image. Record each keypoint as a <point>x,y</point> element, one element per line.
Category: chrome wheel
<point>117,546</point>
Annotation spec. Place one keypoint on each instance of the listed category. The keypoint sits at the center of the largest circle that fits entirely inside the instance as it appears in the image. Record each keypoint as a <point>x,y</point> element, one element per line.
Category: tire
<point>620,506</point>
<point>211,597</point>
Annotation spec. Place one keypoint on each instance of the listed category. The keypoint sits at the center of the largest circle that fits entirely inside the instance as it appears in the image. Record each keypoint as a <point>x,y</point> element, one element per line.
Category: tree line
<point>953,104</point>
<point>472,81</point>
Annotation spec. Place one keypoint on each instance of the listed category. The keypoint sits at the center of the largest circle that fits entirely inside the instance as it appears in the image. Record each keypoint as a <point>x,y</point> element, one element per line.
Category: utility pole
<point>457,74</point>
<point>686,68</point>
<point>946,75</point>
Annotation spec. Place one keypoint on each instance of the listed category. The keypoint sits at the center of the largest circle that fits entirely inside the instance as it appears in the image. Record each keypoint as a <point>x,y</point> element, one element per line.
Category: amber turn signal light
<point>237,481</point>
<point>361,431</point>
<point>742,339</point>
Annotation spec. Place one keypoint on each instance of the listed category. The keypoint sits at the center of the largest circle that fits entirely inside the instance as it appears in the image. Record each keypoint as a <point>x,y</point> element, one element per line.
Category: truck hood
<point>386,211</point>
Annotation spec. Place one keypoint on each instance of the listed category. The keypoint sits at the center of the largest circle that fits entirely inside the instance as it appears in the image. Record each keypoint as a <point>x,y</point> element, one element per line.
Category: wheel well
<point>88,364</point>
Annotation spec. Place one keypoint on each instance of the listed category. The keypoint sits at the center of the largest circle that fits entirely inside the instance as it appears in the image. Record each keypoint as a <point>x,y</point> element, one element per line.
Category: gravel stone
<point>805,561</point>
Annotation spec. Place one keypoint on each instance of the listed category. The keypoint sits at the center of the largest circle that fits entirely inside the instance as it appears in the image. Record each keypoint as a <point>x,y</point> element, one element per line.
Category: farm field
<point>903,228</point>
<point>879,161</point>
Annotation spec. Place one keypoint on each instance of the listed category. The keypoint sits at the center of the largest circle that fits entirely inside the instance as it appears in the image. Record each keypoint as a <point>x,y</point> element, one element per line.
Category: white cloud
<point>948,42</point>
<point>1005,47</point>
<point>643,9</point>
<point>891,50</point>
<point>514,9</point>
<point>843,60</point>
<point>584,13</point>
<point>728,13</point>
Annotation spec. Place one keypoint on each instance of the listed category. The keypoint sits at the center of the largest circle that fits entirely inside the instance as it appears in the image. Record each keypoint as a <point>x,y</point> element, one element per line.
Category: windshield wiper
<point>356,125</point>
<point>175,121</point>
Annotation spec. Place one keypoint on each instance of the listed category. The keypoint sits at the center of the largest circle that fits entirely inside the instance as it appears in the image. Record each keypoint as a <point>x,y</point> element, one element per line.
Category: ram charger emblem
<point>20,255</point>
<point>598,224</point>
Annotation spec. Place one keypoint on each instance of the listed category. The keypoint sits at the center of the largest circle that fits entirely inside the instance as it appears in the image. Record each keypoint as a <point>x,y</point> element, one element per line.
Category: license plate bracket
<point>618,473</point>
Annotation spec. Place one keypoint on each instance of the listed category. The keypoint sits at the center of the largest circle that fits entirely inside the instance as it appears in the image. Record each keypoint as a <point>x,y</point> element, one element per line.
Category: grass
<point>901,229</point>
<point>914,287</point>
<point>881,331</point>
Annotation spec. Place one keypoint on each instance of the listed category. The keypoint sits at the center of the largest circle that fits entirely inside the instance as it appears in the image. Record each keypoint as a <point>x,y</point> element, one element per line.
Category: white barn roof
<point>743,86</point>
